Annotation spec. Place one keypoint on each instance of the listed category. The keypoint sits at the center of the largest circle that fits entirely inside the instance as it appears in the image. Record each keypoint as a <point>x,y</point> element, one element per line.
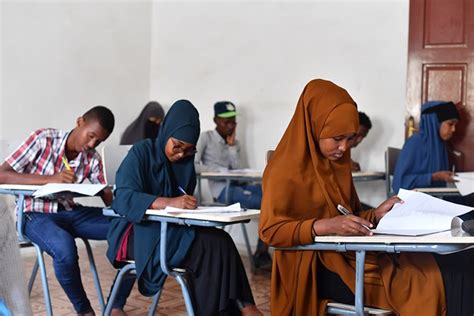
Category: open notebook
<point>420,214</point>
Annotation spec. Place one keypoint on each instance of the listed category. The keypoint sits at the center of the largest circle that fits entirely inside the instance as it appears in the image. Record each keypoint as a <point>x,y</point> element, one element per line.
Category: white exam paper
<point>465,182</point>
<point>209,209</point>
<point>420,214</point>
<point>80,188</point>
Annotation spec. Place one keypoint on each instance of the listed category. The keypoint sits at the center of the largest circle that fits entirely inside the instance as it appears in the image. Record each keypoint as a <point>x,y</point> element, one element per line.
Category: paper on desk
<point>465,182</point>
<point>420,214</point>
<point>209,209</point>
<point>80,188</point>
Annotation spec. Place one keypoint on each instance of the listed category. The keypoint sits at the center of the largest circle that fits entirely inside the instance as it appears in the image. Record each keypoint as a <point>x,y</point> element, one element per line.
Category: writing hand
<point>446,176</point>
<point>185,201</point>
<point>65,176</point>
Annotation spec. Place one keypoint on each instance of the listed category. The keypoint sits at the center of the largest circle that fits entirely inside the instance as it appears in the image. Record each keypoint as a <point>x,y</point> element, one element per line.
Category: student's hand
<point>355,165</point>
<point>65,176</point>
<point>344,225</point>
<point>230,140</point>
<point>185,201</point>
<point>446,176</point>
<point>385,207</point>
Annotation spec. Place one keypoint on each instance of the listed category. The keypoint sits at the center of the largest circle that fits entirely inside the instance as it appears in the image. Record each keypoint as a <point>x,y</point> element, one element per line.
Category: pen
<point>66,164</point>
<point>182,190</point>
<point>454,168</point>
<point>345,211</point>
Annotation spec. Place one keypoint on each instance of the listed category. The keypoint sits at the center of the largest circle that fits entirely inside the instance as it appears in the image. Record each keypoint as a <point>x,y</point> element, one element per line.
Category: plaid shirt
<point>42,154</point>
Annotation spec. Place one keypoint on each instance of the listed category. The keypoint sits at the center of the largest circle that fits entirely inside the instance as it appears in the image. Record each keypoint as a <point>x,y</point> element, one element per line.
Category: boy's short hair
<point>103,115</point>
<point>364,120</point>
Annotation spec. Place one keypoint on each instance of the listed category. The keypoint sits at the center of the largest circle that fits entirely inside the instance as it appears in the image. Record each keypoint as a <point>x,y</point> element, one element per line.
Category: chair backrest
<point>112,156</point>
<point>268,156</point>
<point>391,157</point>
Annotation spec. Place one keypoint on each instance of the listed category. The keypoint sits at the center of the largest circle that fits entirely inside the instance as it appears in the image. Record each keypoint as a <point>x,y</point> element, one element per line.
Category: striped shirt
<point>41,153</point>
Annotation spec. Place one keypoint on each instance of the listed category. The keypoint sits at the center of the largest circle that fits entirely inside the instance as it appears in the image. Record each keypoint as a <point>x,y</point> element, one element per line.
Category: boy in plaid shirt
<point>53,224</point>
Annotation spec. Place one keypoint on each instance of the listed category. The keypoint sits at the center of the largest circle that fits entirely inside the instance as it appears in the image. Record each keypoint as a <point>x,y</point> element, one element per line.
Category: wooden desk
<point>443,242</point>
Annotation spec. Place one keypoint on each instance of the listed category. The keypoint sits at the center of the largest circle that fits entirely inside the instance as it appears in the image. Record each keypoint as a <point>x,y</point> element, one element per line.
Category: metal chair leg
<point>186,293</point>
<point>95,275</point>
<point>154,304</point>
<point>44,280</point>
<point>115,288</point>
<point>247,245</point>
<point>32,279</point>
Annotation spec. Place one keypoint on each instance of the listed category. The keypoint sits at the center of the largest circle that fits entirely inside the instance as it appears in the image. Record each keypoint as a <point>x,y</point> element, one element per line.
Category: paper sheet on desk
<point>465,182</point>
<point>420,214</point>
<point>80,188</point>
<point>210,209</point>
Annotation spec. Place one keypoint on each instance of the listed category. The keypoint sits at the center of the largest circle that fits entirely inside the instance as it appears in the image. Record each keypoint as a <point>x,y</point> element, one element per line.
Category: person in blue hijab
<point>423,161</point>
<point>151,177</point>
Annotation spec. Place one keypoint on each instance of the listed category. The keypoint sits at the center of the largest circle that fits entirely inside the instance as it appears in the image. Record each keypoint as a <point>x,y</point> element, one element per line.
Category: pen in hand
<point>345,211</point>
<point>66,164</point>
<point>182,190</point>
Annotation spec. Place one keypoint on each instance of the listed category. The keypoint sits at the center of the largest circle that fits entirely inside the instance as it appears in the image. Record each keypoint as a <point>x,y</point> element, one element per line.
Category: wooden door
<point>441,67</point>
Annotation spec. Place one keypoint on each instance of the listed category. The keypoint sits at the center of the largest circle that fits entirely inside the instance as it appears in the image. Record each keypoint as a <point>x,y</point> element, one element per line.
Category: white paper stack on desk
<point>420,214</point>
<point>465,182</point>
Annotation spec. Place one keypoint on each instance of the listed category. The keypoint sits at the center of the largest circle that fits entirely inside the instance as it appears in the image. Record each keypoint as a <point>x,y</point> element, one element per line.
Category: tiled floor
<point>171,302</point>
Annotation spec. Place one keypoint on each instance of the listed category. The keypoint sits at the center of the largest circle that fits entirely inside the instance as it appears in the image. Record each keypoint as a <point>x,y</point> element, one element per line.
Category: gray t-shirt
<point>213,154</point>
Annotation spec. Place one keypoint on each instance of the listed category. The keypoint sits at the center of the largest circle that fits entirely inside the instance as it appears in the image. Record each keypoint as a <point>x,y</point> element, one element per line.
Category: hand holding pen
<point>185,201</point>
<point>65,176</point>
<point>353,225</point>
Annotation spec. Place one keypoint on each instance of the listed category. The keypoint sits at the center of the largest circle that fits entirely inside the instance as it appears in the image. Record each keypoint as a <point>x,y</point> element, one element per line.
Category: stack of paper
<point>79,188</point>
<point>420,214</point>
<point>210,209</point>
<point>465,182</point>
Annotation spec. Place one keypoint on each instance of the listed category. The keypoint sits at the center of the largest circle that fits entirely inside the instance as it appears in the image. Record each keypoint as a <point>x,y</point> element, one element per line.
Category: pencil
<point>66,164</point>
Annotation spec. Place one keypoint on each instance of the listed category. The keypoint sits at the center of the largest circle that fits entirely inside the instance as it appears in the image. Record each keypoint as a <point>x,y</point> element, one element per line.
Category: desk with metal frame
<point>189,219</point>
<point>443,242</point>
<point>256,176</point>
<point>21,191</point>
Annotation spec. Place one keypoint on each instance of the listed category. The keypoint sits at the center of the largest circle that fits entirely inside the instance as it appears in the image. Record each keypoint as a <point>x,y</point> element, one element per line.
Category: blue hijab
<point>145,174</point>
<point>423,154</point>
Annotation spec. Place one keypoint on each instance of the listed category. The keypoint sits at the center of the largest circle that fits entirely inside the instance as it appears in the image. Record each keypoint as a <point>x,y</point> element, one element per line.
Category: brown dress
<point>301,186</point>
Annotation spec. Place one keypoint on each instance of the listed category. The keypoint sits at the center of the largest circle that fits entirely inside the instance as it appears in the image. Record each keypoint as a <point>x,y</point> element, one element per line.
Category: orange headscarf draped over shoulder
<point>301,186</point>
<point>324,110</point>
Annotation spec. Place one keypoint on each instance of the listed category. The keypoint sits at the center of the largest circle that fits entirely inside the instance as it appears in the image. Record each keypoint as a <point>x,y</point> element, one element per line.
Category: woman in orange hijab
<point>308,175</point>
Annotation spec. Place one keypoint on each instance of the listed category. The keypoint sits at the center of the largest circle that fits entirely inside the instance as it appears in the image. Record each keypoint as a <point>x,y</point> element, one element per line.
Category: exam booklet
<point>420,214</point>
<point>465,182</point>
<point>86,189</point>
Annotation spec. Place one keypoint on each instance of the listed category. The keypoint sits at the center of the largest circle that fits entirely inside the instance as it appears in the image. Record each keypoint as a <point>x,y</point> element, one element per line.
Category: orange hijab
<point>301,186</point>
<point>298,169</point>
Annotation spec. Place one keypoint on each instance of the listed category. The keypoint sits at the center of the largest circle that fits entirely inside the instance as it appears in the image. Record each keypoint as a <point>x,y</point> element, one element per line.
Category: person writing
<point>50,155</point>
<point>308,176</point>
<point>153,175</point>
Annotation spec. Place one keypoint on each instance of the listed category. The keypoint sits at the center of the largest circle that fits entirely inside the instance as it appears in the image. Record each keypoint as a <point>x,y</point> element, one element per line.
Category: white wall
<point>59,58</point>
<point>261,54</point>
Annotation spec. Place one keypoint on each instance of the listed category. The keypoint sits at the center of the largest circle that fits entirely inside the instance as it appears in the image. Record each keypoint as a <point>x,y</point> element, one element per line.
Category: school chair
<point>391,157</point>
<point>335,308</point>
<point>129,268</point>
<point>40,265</point>
<point>112,156</point>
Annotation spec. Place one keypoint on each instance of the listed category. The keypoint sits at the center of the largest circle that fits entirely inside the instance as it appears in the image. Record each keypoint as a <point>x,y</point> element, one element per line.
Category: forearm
<point>13,177</point>
<point>107,196</point>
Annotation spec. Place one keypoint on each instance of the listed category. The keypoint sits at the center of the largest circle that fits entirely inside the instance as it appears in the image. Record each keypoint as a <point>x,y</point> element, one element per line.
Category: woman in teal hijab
<point>149,178</point>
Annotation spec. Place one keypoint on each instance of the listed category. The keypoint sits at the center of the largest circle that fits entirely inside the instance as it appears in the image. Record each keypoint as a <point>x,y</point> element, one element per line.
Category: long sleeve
<point>412,169</point>
<point>130,199</point>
